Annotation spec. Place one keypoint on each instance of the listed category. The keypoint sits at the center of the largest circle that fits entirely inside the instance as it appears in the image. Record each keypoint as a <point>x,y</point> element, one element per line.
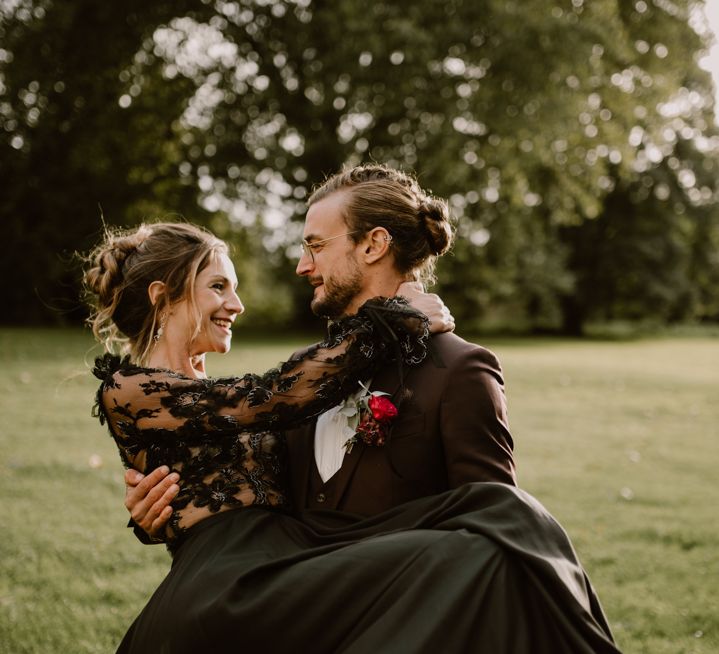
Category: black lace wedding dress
<point>483,568</point>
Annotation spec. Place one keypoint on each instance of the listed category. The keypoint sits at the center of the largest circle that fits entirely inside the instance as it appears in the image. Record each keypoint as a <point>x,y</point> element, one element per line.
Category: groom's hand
<point>148,498</point>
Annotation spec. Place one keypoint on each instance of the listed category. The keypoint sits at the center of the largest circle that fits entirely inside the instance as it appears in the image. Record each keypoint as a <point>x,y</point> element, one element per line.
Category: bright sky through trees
<point>711,61</point>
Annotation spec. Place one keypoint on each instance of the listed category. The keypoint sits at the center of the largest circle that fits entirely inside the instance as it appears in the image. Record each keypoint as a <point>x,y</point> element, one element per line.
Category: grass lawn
<point>620,440</point>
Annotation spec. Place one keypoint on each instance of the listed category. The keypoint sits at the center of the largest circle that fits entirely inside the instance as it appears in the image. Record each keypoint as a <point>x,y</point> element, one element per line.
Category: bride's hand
<point>430,304</point>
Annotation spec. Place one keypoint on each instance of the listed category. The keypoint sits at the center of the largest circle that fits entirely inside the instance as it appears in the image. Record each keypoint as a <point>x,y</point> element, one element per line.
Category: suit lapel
<point>387,381</point>
<point>302,451</point>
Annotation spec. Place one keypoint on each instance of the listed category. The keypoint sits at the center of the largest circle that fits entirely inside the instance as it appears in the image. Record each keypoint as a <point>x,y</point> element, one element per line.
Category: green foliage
<point>618,439</point>
<point>69,152</point>
<point>575,140</point>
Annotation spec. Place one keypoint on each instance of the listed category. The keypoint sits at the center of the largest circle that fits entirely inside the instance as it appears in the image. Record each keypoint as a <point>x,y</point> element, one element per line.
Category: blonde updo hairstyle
<point>379,196</point>
<point>119,273</point>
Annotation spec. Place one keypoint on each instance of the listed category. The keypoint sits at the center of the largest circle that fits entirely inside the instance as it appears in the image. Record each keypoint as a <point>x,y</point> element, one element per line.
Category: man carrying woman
<point>410,534</point>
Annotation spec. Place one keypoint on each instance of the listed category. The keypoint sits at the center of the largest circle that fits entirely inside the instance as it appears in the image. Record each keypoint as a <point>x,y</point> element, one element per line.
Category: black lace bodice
<point>222,435</point>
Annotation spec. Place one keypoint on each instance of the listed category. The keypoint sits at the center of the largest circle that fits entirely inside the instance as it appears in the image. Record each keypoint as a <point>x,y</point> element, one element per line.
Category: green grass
<point>620,440</point>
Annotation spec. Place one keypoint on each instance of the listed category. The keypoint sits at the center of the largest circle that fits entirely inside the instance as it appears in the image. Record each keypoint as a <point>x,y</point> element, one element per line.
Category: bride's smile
<point>203,321</point>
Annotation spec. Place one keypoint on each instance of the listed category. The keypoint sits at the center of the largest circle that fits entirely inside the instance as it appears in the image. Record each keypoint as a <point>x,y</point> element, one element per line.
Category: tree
<point>551,126</point>
<point>69,153</point>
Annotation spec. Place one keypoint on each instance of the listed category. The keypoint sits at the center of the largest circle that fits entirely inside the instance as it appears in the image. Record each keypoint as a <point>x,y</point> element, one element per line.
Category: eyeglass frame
<point>308,247</point>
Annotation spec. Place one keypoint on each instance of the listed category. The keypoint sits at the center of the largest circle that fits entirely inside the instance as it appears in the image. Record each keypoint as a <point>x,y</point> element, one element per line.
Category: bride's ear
<point>155,291</point>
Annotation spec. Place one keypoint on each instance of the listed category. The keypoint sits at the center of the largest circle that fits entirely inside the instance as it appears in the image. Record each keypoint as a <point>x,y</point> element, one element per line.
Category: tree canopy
<point>575,140</point>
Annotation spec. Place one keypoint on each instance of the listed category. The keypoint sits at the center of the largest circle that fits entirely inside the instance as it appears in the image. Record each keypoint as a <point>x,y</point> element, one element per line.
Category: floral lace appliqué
<point>221,435</point>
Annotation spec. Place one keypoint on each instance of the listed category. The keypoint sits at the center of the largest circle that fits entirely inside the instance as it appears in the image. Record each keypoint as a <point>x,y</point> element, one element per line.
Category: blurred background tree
<point>575,140</point>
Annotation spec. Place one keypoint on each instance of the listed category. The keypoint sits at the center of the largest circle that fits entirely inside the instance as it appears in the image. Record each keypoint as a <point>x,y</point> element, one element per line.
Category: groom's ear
<point>155,291</point>
<point>377,244</point>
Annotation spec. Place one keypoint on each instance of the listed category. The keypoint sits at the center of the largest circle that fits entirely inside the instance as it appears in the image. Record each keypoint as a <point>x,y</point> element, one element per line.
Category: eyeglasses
<point>309,248</point>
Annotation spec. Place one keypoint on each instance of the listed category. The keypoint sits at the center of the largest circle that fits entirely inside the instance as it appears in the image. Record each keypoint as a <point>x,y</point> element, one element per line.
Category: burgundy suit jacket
<point>451,429</point>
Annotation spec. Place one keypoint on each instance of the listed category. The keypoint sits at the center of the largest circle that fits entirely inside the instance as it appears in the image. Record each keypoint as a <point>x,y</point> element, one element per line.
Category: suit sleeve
<point>474,425</point>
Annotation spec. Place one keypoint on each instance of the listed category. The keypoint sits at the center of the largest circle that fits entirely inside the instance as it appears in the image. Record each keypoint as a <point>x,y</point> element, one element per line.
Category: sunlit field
<point>620,440</point>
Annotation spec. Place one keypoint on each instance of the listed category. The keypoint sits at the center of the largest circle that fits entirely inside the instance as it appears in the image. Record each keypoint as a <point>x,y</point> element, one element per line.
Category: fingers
<point>137,485</point>
<point>441,324</point>
<point>150,481</point>
<point>447,319</point>
<point>442,320</point>
<point>149,500</point>
<point>133,477</point>
<point>159,523</point>
<point>160,511</point>
<point>440,317</point>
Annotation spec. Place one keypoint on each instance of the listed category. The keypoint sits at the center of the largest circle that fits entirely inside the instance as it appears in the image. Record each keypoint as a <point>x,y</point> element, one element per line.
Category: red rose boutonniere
<point>376,413</point>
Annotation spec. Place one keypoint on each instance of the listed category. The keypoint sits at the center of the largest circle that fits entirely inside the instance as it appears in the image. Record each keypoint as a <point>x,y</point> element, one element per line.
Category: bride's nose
<point>234,304</point>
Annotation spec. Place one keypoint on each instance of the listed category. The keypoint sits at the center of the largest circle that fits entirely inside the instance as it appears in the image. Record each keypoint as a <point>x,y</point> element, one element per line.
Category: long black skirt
<point>484,568</point>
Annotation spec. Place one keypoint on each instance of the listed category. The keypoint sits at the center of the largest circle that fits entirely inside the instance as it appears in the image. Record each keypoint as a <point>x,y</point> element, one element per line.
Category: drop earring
<point>160,329</point>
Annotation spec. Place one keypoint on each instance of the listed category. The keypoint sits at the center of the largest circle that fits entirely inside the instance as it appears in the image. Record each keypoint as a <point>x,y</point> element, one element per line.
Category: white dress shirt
<point>334,428</point>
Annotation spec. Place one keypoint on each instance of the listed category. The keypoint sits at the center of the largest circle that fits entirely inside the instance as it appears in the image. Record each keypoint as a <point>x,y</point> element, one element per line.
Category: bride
<point>481,568</point>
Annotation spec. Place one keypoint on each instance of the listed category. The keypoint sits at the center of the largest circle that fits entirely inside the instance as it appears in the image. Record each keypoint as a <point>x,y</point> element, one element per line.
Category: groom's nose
<point>305,265</point>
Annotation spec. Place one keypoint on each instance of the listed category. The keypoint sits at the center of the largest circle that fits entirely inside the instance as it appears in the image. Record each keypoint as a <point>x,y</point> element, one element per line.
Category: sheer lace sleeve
<point>164,411</point>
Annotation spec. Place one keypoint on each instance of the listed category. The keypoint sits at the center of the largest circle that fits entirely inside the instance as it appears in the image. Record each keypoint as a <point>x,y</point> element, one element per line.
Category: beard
<point>338,293</point>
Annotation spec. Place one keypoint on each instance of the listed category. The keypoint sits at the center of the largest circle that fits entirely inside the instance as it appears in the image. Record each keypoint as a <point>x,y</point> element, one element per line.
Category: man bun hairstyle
<point>380,196</point>
<point>434,218</point>
<point>121,268</point>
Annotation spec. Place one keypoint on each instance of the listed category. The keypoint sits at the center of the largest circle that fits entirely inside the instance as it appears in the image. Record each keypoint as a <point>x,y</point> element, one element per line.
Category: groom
<point>367,231</point>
